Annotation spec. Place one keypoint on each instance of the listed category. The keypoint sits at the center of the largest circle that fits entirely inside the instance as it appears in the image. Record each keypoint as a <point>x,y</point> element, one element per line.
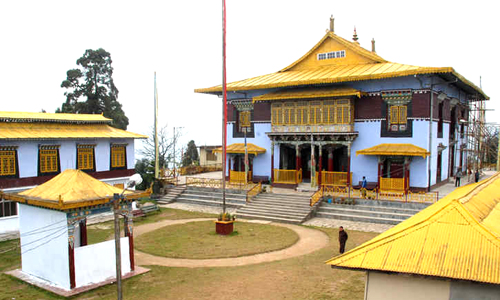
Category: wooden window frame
<point>45,158</point>
<point>115,147</point>
<point>83,148</point>
<point>8,208</point>
<point>9,155</point>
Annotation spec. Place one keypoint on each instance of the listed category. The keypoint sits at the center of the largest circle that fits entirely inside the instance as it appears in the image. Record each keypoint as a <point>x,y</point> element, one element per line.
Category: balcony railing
<point>313,128</point>
<point>334,178</point>
<point>392,184</point>
<point>239,177</point>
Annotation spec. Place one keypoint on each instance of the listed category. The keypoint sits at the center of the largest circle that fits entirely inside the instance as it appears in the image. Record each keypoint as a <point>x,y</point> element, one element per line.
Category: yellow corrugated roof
<point>71,189</point>
<point>19,116</point>
<point>359,64</point>
<point>394,149</point>
<point>239,148</point>
<point>309,93</point>
<point>458,237</point>
<point>62,131</point>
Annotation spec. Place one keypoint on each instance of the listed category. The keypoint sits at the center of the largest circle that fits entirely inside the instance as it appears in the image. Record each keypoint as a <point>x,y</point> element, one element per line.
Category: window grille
<point>86,158</point>
<point>7,208</point>
<point>49,160</point>
<point>7,162</point>
<point>118,156</point>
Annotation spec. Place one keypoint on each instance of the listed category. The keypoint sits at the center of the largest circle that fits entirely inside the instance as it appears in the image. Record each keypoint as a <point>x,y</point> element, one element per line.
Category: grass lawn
<point>199,240</point>
<point>304,277</point>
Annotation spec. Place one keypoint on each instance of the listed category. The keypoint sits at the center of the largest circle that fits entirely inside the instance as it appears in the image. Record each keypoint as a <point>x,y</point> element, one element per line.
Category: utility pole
<point>116,208</point>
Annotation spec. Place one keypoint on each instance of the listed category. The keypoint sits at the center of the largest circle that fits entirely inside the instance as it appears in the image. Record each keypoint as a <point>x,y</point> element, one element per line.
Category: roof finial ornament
<point>373,45</point>
<point>331,23</point>
<point>355,36</point>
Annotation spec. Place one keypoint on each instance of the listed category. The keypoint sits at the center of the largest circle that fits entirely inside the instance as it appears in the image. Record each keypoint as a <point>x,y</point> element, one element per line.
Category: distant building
<point>341,112</point>
<point>450,250</point>
<point>35,147</point>
<point>209,157</point>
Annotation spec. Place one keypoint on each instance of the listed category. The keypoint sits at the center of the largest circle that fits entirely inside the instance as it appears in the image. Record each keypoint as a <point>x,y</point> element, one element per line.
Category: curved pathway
<point>309,241</point>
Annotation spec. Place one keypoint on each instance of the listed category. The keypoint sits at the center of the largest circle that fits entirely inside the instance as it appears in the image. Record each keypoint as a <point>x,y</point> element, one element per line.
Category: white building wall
<point>96,263</point>
<point>381,286</point>
<point>9,224</point>
<point>369,136</point>
<point>44,244</point>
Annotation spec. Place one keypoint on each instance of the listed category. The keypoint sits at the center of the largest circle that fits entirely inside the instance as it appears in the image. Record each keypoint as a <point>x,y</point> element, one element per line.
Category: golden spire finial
<point>331,23</point>
<point>373,45</point>
<point>355,36</point>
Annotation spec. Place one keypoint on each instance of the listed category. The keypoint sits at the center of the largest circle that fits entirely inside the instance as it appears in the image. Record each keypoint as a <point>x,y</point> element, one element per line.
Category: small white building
<point>35,147</point>
<point>53,234</point>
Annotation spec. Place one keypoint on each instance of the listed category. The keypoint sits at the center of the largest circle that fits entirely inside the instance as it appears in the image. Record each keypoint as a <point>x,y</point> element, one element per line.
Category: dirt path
<point>309,241</point>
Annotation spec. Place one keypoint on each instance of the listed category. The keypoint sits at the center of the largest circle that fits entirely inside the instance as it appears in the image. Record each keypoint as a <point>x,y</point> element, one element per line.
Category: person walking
<point>476,175</point>
<point>458,176</point>
<point>342,239</point>
<point>363,187</point>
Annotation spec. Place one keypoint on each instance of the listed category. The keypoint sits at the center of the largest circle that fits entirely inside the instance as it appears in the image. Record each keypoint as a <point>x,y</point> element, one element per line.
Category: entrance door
<point>305,154</point>
<point>438,172</point>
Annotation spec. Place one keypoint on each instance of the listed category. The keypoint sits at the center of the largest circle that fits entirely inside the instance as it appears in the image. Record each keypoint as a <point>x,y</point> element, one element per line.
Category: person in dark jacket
<point>476,175</point>
<point>342,239</point>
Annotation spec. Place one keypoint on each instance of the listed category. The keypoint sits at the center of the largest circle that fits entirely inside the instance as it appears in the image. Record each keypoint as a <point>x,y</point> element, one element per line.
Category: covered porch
<point>393,167</point>
<point>236,162</point>
<point>321,159</point>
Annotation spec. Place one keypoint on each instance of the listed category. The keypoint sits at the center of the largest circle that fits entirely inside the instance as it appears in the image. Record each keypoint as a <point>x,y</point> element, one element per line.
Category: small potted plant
<point>224,223</point>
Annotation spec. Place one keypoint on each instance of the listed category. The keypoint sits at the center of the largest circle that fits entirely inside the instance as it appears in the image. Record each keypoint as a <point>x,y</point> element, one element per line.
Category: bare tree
<point>165,147</point>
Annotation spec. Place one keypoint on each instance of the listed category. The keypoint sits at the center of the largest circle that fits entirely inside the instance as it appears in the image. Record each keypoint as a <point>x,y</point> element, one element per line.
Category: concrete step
<point>273,218</point>
<point>359,218</point>
<point>385,203</point>
<point>284,196</point>
<point>287,213</point>
<point>359,212</point>
<point>172,194</point>
<point>295,206</point>
<point>208,202</point>
<point>214,194</point>
<point>205,197</point>
<point>395,210</point>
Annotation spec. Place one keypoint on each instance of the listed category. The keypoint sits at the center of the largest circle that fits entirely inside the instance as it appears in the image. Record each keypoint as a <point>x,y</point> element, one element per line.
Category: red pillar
<point>71,252</point>
<point>319,166</point>
<point>379,173</point>
<point>130,235</point>
<point>83,233</point>
<point>229,169</point>
<point>330,160</point>
<point>349,165</point>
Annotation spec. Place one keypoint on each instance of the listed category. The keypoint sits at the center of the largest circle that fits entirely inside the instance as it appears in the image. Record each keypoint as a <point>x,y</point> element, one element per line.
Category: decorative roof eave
<point>296,83</point>
<point>31,117</point>
<point>239,148</point>
<point>386,149</point>
<point>352,46</point>
<point>310,94</point>
<point>59,205</point>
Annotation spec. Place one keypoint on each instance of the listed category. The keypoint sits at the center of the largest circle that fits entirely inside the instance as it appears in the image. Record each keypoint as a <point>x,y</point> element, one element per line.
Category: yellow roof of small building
<point>358,64</point>
<point>458,237</point>
<point>239,148</point>
<point>324,92</point>
<point>38,131</point>
<point>19,116</point>
<point>394,149</point>
<point>71,189</point>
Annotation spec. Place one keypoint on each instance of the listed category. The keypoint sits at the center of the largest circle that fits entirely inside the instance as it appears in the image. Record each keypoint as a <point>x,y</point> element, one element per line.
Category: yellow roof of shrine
<point>20,116</point>
<point>458,237</point>
<point>16,131</point>
<point>323,92</point>
<point>394,149</point>
<point>71,189</point>
<point>239,148</point>
<point>356,65</point>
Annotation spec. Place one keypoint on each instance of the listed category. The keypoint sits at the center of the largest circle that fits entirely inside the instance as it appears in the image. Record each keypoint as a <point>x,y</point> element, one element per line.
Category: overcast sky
<point>181,41</point>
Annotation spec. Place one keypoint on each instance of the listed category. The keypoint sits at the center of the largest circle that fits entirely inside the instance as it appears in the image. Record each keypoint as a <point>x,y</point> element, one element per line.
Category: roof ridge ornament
<point>355,36</point>
<point>332,19</point>
<point>373,45</point>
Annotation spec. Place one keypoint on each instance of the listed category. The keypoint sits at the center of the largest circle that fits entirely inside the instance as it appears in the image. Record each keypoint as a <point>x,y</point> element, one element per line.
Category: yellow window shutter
<point>393,115</point>
<point>402,114</point>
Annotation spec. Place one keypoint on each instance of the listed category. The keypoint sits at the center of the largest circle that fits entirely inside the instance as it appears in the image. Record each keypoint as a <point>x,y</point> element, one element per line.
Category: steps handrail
<point>254,191</point>
<point>316,197</point>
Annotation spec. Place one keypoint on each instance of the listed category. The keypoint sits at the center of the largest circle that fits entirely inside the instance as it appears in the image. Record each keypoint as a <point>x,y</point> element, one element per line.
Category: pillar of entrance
<point>349,165</point>
<point>229,169</point>
<point>313,165</point>
<point>330,160</point>
<point>272,162</point>
<point>379,172</point>
<point>83,232</point>
<point>128,227</point>
<point>297,157</point>
<point>319,166</point>
<point>71,254</point>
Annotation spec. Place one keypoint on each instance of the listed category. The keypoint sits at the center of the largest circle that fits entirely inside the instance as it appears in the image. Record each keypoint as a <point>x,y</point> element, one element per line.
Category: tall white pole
<point>157,163</point>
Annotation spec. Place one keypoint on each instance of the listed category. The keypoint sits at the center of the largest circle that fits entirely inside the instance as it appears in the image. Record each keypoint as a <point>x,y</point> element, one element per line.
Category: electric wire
<point>31,249</point>
<point>43,227</point>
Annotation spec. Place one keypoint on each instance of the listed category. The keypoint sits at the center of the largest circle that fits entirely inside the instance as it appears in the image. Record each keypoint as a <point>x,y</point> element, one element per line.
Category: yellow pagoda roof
<point>394,149</point>
<point>18,116</point>
<point>239,148</point>
<point>458,237</point>
<point>357,64</point>
<point>309,93</point>
<point>71,189</point>
<point>23,131</point>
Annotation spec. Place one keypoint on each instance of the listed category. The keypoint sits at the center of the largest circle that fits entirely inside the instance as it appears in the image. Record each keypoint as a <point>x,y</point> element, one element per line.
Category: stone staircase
<point>172,193</point>
<point>284,208</point>
<point>211,197</point>
<point>370,211</point>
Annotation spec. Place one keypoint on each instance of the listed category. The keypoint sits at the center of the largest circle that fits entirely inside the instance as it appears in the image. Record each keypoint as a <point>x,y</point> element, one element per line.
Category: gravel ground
<point>199,208</point>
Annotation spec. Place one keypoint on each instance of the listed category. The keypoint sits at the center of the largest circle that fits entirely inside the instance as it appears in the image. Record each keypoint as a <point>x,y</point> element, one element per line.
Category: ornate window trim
<point>85,157</point>
<point>48,160</point>
<point>118,156</point>
<point>9,165</point>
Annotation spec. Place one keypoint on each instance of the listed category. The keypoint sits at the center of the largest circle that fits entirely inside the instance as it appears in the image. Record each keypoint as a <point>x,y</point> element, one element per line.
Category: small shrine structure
<point>53,233</point>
